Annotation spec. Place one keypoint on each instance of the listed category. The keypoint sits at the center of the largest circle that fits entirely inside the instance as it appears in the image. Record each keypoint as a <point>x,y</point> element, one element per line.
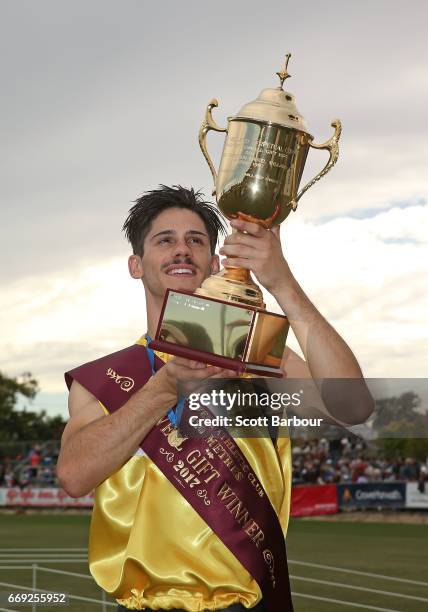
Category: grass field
<point>334,565</point>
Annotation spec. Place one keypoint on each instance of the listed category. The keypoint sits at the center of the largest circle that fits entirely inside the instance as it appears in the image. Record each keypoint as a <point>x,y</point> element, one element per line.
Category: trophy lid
<point>274,105</point>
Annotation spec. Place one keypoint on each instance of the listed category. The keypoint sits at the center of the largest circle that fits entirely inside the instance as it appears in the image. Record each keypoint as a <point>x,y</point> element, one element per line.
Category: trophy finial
<point>284,74</point>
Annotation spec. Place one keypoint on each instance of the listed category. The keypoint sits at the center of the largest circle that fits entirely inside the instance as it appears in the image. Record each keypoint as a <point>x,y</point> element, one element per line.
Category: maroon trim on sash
<point>98,376</point>
<point>211,473</point>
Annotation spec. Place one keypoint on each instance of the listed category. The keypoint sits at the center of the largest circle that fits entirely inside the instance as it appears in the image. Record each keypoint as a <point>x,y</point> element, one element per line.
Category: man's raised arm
<point>326,353</point>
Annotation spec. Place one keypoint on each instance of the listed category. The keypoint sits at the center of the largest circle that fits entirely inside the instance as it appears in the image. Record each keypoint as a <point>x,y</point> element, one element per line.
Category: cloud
<point>52,323</point>
<point>98,106</point>
<point>93,113</point>
<point>368,213</point>
<point>366,276</point>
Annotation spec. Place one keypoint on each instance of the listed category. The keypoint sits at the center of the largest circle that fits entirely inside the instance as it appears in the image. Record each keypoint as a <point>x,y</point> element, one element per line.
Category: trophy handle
<point>331,145</point>
<point>207,125</point>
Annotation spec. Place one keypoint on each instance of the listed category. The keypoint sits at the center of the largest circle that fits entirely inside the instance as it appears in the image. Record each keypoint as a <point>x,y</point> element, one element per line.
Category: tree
<point>401,427</point>
<point>402,408</point>
<point>22,424</point>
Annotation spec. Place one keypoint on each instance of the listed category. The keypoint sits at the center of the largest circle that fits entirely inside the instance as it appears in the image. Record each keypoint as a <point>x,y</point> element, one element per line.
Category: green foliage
<point>402,408</point>
<point>392,448</point>
<point>401,426</point>
<point>23,424</point>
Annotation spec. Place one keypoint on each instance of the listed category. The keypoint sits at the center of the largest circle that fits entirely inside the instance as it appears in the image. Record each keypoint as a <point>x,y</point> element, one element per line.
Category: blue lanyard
<point>173,415</point>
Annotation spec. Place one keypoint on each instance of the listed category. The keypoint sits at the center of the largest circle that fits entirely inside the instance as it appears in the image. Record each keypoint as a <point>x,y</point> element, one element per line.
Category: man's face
<point>177,253</point>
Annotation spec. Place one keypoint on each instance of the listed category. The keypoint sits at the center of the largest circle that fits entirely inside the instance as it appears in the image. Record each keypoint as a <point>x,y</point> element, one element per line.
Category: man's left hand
<point>257,249</point>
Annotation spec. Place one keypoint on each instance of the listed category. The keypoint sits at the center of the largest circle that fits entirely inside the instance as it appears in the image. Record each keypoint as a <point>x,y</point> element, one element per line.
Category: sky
<point>102,101</point>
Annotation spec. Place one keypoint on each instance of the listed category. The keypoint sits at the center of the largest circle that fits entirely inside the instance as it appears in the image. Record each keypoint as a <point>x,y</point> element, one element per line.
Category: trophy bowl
<point>258,180</point>
<point>264,156</point>
<point>261,166</point>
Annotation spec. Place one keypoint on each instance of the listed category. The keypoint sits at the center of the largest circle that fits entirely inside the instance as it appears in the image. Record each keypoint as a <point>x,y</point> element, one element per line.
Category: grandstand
<point>323,461</point>
<point>351,460</point>
<point>28,463</point>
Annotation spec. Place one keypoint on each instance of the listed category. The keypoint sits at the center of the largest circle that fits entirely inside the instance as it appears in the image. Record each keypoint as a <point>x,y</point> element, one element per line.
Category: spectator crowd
<point>36,467</point>
<point>350,461</point>
<point>314,462</point>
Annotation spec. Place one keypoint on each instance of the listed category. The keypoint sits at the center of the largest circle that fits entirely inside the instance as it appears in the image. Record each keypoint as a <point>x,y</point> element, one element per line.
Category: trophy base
<point>233,285</point>
<point>225,334</point>
<point>216,360</point>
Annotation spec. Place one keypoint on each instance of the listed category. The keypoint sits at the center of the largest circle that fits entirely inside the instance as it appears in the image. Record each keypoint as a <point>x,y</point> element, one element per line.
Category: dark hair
<point>148,206</point>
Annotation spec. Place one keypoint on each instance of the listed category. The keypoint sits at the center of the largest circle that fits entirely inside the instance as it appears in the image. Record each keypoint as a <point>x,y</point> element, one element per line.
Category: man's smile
<point>181,269</point>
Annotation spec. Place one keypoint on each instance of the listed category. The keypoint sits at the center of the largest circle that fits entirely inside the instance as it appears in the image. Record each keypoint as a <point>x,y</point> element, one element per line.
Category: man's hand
<point>188,374</point>
<point>257,249</point>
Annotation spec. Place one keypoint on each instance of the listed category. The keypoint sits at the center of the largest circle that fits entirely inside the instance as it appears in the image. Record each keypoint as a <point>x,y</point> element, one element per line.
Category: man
<point>148,547</point>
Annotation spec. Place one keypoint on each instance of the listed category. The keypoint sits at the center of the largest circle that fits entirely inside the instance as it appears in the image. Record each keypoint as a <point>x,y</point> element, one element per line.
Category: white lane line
<point>343,603</point>
<point>65,560</point>
<point>62,553</point>
<point>14,567</point>
<point>358,588</point>
<point>358,573</point>
<point>47,559</point>
<point>41,568</point>
<point>24,559</point>
<point>16,549</point>
<point>44,555</point>
<point>49,570</point>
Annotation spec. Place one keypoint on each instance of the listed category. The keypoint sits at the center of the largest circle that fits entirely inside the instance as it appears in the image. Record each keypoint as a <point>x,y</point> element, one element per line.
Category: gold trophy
<point>225,322</point>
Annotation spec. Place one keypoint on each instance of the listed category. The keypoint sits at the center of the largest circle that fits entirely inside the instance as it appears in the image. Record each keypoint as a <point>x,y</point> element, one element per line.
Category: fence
<point>306,500</point>
<point>36,568</point>
<point>312,500</point>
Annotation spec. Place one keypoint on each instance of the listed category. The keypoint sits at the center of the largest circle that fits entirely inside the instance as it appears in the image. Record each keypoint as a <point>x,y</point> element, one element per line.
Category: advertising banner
<point>372,495</point>
<point>43,498</point>
<point>314,500</point>
<point>415,497</point>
